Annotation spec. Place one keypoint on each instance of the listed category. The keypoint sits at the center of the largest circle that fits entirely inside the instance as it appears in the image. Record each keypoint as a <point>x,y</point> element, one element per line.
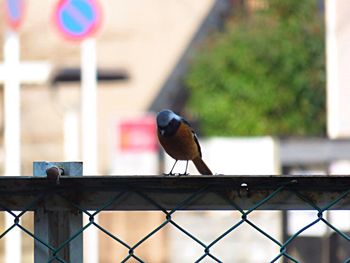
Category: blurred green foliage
<point>264,75</point>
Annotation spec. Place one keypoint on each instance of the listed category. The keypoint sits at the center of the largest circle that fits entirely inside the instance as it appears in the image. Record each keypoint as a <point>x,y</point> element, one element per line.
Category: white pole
<point>89,130</point>
<point>338,78</point>
<point>88,105</point>
<point>11,104</point>
<point>12,134</point>
<point>333,87</point>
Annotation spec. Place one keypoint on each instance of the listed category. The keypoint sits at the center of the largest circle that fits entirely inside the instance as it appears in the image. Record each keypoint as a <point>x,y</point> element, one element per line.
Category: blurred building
<point>140,40</point>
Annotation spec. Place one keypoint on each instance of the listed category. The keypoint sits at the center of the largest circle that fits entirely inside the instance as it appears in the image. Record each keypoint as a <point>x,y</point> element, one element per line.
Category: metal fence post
<point>53,226</point>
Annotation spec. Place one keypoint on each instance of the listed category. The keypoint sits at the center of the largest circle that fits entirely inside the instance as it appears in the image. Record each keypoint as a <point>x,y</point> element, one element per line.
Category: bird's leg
<point>185,173</point>
<point>171,171</point>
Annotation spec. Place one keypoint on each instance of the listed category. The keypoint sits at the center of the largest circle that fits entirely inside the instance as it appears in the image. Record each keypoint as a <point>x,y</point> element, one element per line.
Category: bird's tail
<point>201,166</point>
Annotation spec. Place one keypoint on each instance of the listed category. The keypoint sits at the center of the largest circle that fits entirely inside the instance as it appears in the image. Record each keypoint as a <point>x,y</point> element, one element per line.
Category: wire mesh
<point>241,200</point>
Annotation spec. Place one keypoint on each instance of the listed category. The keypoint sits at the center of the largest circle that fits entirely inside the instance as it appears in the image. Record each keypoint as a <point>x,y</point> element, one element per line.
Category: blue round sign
<point>77,19</point>
<point>14,12</point>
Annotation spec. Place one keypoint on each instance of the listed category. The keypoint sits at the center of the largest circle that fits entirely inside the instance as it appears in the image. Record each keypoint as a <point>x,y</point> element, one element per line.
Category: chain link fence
<point>59,205</point>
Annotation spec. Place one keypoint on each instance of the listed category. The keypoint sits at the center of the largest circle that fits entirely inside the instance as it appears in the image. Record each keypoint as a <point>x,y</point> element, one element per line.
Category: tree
<point>264,75</point>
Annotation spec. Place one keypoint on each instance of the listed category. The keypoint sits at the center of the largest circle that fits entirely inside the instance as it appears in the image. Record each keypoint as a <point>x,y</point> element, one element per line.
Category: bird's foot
<point>175,174</point>
<point>184,174</point>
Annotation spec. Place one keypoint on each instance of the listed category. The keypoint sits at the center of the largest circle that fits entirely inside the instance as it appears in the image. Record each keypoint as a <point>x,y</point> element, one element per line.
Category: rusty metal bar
<point>53,227</point>
<point>221,192</point>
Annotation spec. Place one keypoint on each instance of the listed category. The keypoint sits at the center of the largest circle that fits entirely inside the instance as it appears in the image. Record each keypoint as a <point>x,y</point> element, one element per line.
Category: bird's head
<point>168,122</point>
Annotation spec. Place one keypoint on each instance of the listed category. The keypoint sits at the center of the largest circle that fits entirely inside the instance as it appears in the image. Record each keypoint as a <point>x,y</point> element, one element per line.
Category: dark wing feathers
<point>194,135</point>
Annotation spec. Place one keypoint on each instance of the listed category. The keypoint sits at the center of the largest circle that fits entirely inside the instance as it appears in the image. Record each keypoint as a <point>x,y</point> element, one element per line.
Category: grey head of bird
<point>168,122</point>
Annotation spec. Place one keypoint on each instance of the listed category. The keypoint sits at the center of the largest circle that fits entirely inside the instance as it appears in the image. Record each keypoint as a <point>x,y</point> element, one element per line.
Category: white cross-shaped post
<point>12,74</point>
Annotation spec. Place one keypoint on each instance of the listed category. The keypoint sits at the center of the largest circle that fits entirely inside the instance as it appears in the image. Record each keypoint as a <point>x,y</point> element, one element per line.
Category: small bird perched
<point>179,140</point>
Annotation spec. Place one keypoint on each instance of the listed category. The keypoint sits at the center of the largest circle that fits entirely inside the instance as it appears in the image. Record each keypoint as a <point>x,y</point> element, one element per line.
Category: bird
<point>179,140</point>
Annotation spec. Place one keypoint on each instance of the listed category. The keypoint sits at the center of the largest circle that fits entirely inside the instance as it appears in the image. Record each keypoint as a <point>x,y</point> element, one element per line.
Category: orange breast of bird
<point>182,145</point>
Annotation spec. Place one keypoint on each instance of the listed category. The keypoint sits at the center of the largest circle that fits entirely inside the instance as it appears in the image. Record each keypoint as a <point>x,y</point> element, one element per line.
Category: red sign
<point>138,135</point>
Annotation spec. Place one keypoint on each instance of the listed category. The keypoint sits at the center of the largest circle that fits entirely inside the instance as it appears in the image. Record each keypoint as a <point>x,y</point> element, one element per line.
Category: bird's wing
<point>194,136</point>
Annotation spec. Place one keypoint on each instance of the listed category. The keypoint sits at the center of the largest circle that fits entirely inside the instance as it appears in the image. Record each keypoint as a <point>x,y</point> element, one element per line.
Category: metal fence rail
<point>61,204</point>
